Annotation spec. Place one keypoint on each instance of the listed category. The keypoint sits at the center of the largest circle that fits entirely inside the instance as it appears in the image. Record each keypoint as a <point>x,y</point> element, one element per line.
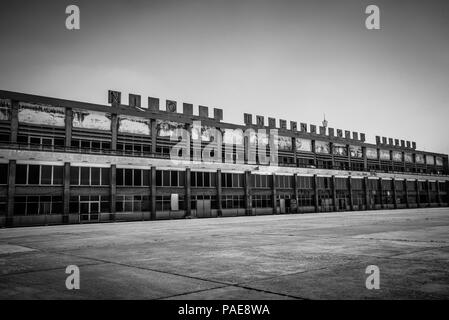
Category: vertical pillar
<point>153,135</point>
<point>315,162</point>
<point>418,200</point>
<point>381,191</point>
<point>334,192</point>
<point>395,198</point>
<point>332,156</point>
<point>351,195</point>
<point>188,198</point>
<point>295,159</point>
<point>365,159</point>
<point>367,197</point>
<point>11,192</point>
<point>113,190</point>
<point>66,206</point>
<point>315,189</point>
<point>248,204</point>
<point>349,156</point>
<point>440,202</point>
<point>114,127</point>
<point>219,193</point>
<point>406,193</point>
<point>14,121</point>
<point>153,193</point>
<point>274,193</point>
<point>428,193</point>
<point>295,191</point>
<point>68,127</point>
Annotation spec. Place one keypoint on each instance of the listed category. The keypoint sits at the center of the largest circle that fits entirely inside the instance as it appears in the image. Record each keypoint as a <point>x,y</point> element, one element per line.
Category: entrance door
<point>282,205</point>
<point>203,208</point>
<point>89,211</point>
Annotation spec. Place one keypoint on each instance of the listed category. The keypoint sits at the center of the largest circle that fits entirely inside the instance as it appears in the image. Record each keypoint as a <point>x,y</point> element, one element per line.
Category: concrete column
<point>188,197</point>
<point>113,190</point>
<point>11,192</point>
<point>295,191</point>
<point>381,191</point>
<point>349,156</point>
<point>332,156</point>
<point>68,127</point>
<point>440,201</point>
<point>295,159</point>
<point>418,200</point>
<point>428,192</point>
<point>153,193</point>
<point>114,128</point>
<point>248,203</point>
<point>153,135</point>
<point>334,191</point>
<point>365,159</point>
<point>219,193</point>
<point>367,196</point>
<point>315,163</point>
<point>274,193</point>
<point>14,121</point>
<point>315,189</point>
<point>351,196</point>
<point>406,193</point>
<point>395,200</point>
<point>66,206</point>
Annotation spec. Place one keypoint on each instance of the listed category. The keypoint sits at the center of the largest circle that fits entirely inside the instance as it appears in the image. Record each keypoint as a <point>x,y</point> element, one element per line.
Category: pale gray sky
<point>287,59</point>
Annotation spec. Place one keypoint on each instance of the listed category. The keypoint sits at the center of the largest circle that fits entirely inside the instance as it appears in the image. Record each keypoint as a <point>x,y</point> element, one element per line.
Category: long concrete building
<point>67,162</point>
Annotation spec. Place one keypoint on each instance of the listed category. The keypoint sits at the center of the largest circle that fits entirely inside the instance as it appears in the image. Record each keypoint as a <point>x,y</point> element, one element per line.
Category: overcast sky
<point>293,60</point>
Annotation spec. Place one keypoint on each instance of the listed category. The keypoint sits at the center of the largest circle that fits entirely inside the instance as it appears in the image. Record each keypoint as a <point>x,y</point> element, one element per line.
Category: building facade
<point>65,161</point>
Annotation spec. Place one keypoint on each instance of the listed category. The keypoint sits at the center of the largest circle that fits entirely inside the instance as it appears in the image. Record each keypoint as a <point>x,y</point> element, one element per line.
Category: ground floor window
<point>132,203</point>
<point>232,202</point>
<point>89,204</point>
<point>37,205</point>
<point>306,198</point>
<point>262,201</point>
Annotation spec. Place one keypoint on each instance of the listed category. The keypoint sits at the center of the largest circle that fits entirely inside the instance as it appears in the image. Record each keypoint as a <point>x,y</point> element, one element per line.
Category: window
<point>89,204</point>
<point>4,173</point>
<point>232,202</point>
<point>203,179</point>
<point>261,181</point>
<point>133,177</point>
<point>37,205</point>
<point>262,201</point>
<point>39,174</point>
<point>133,203</point>
<point>86,176</point>
<point>284,182</point>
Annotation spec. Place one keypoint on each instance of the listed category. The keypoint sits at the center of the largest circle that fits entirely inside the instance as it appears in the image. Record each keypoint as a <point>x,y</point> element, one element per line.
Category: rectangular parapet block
<point>355,135</point>
<point>260,121</point>
<point>153,104</point>
<point>303,127</point>
<point>170,105</point>
<point>390,141</point>
<point>203,111</point>
<point>247,118</point>
<point>347,134</point>
<point>403,143</point>
<point>187,109</point>
<point>409,144</point>
<point>396,142</point>
<point>114,98</point>
<point>272,122</point>
<point>413,145</point>
<point>331,132</point>
<point>135,100</point>
<point>313,128</point>
<point>384,140</point>
<point>377,140</point>
<point>218,114</point>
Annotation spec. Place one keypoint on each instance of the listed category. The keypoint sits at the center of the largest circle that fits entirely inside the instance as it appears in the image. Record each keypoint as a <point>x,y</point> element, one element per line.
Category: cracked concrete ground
<point>312,256</point>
